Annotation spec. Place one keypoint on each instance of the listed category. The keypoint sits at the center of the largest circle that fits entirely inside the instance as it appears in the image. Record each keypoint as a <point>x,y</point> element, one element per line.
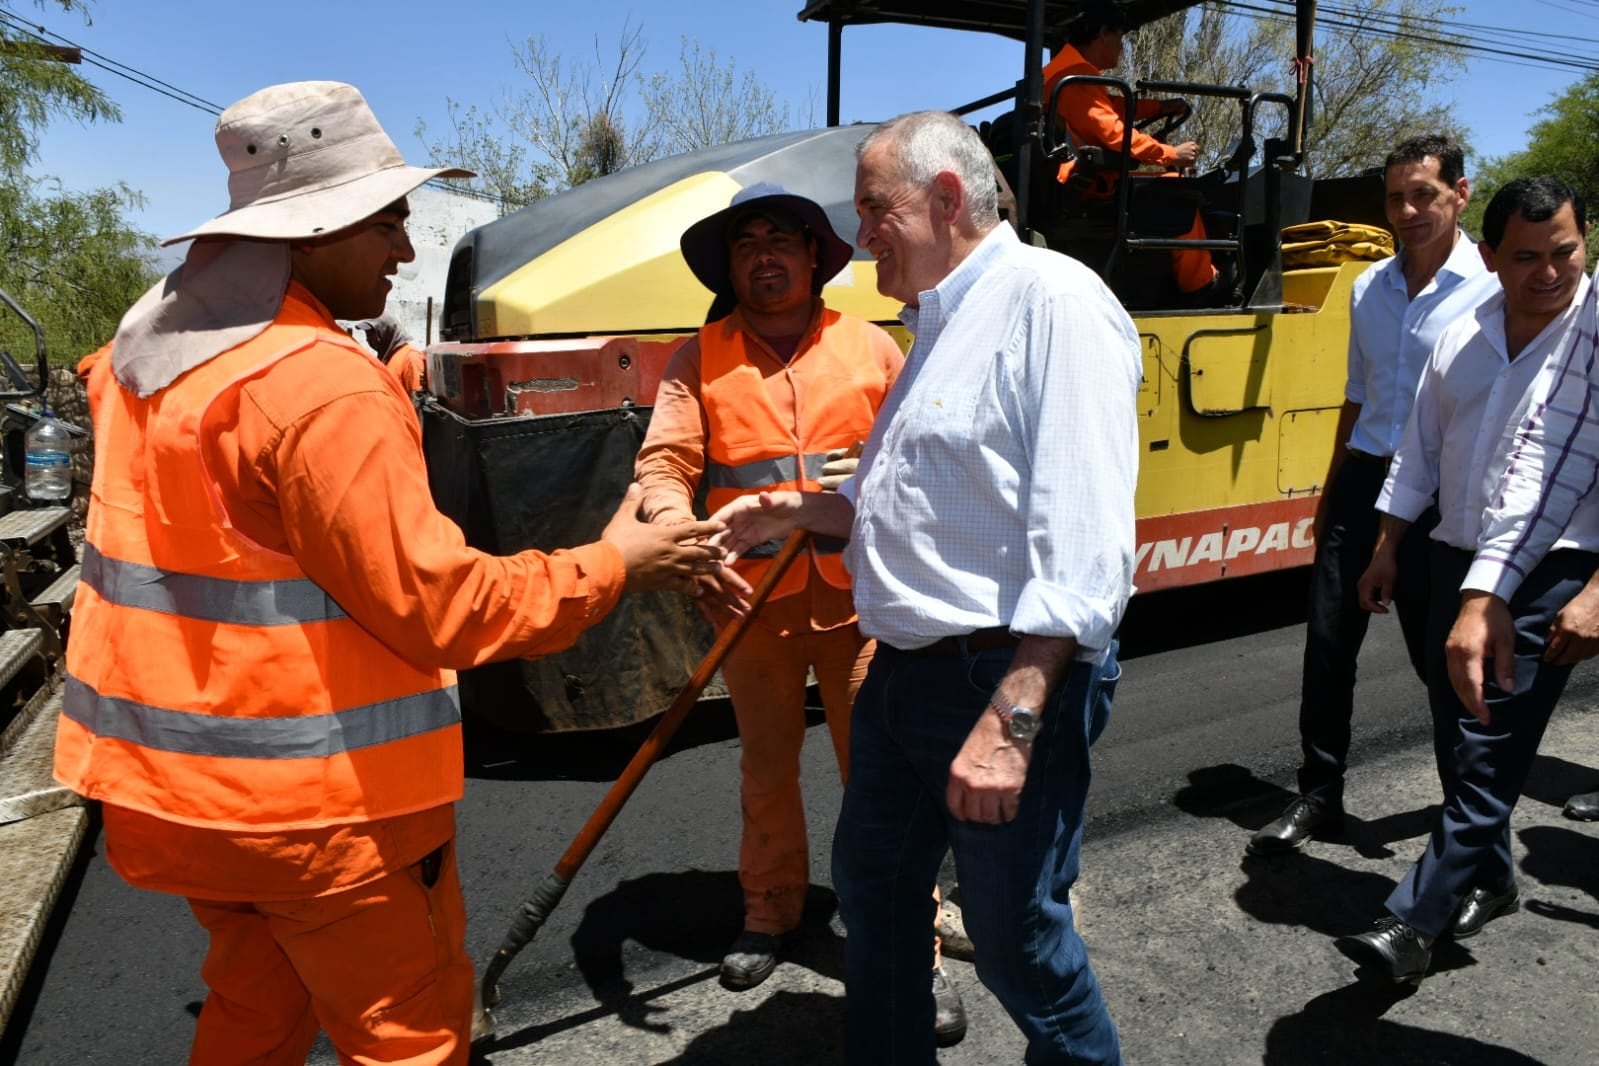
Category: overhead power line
<point>1392,26</point>
<point>44,36</point>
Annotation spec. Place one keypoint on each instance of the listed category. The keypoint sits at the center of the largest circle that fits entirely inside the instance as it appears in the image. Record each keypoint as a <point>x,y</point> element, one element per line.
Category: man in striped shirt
<point>1456,442</point>
<point>1552,470</point>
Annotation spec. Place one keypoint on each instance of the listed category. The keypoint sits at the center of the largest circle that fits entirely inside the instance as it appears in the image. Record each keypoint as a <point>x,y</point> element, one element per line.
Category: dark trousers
<point>911,718</point>
<point>1337,623</point>
<point>1485,767</point>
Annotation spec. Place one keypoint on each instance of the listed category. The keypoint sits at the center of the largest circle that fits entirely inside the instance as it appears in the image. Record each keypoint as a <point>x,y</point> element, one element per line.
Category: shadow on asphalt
<point>1234,792</point>
<point>1555,780</point>
<point>1346,1026</point>
<point>787,1029</point>
<point>693,915</point>
<point>1302,888</point>
<point>1559,856</point>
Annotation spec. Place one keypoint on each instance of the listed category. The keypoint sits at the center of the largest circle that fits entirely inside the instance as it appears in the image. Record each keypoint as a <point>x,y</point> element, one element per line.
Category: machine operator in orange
<point>261,685</point>
<point>1094,44</point>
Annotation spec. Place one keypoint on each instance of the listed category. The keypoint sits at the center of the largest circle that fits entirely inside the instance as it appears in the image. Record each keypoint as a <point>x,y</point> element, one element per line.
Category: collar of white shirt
<point>944,299</point>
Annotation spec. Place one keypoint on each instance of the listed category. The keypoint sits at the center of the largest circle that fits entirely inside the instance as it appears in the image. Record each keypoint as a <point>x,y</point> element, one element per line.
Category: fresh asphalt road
<point>1205,958</point>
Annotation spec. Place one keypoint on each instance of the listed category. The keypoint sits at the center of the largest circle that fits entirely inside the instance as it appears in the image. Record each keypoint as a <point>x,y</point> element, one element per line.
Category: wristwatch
<point>1021,723</point>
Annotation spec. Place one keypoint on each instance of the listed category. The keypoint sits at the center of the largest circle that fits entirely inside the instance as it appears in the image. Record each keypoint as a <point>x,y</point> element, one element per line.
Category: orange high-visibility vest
<point>210,681</point>
<point>753,446</point>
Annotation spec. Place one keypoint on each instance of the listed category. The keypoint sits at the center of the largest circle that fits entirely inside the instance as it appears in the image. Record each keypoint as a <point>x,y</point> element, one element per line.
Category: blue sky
<point>407,57</point>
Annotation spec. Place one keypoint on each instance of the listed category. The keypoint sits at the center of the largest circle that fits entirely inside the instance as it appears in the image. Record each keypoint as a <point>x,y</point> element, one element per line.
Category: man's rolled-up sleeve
<point>1412,482</point>
<point>1553,464</point>
<point>1078,390</point>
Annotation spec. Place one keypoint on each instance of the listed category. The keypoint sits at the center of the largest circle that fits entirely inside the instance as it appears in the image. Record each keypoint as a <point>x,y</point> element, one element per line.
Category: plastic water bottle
<point>49,461</point>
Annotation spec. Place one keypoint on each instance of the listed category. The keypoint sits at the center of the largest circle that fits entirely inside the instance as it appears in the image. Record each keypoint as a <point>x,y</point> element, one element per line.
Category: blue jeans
<point>911,717</point>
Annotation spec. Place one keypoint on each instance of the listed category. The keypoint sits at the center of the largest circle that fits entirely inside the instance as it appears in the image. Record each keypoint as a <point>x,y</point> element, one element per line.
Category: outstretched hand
<point>751,521</point>
<point>662,557</point>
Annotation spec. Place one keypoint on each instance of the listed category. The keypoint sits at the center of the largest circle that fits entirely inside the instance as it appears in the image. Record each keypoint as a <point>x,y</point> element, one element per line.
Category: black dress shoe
<point>1305,818</point>
<point>1584,808</point>
<point>750,960</point>
<point>1482,907</point>
<point>1395,948</point>
<point>949,1013</point>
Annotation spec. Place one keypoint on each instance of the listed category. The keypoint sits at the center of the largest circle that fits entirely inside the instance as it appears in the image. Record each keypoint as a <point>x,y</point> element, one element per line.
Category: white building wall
<point>439,218</point>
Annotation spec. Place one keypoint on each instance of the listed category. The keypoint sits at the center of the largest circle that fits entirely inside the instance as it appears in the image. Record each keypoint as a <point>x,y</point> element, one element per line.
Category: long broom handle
<point>587,837</point>
<point>536,909</point>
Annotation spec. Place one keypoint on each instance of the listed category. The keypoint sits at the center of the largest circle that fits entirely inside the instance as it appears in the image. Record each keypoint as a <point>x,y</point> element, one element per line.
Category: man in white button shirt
<point>991,551</point>
<point>1396,311</point>
<point>1473,394</point>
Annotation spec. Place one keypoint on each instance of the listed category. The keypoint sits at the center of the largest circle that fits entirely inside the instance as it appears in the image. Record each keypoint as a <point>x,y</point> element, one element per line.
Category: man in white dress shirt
<point>1473,394</point>
<point>1396,312</point>
<point>991,548</point>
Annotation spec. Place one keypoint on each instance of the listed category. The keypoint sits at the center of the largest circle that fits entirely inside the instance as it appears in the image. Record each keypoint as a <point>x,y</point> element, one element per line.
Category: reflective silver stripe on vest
<point>289,602</point>
<point>760,473</point>
<point>313,736</point>
<point>819,545</point>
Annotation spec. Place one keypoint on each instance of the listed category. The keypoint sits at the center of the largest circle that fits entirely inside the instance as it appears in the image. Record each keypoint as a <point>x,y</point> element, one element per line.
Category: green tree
<point>69,258</point>
<point>1564,143</point>
<point>1374,82</point>
<point>35,87</point>
<point>73,262</point>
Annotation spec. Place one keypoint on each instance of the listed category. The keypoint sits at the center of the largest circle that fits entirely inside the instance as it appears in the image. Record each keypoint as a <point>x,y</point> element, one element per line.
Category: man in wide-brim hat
<point>773,385</point>
<point>261,683</point>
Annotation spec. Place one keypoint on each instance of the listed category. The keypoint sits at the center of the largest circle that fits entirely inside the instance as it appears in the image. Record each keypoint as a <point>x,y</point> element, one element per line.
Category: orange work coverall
<point>410,364</point>
<point>812,627</point>
<point>1095,119</point>
<point>354,925</point>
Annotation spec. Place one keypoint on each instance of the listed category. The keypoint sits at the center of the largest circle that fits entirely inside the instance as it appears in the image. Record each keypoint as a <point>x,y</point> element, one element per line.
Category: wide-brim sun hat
<point>704,244</point>
<point>305,159</point>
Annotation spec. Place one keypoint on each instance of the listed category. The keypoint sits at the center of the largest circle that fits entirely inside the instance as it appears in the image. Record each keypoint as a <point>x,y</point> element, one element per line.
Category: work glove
<point>838,468</point>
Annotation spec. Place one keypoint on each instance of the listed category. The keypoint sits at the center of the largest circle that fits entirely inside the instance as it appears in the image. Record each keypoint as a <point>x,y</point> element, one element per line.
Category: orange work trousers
<point>382,968</point>
<point>765,675</point>
<point>1193,266</point>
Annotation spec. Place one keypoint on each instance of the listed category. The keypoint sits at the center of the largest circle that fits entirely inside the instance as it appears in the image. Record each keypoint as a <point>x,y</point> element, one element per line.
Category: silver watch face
<point>1021,724</point>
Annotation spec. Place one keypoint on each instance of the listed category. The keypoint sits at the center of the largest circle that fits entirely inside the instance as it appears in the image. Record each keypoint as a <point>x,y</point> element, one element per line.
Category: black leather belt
<point>1369,459</point>
<point>967,643</point>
